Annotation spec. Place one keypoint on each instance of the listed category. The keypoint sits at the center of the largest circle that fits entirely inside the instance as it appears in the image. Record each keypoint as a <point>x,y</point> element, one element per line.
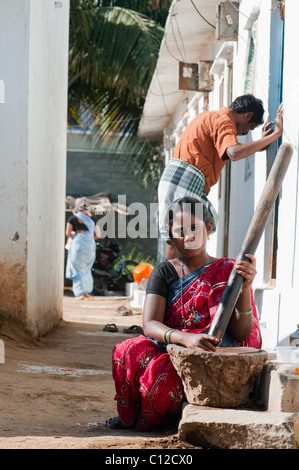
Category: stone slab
<point>214,428</point>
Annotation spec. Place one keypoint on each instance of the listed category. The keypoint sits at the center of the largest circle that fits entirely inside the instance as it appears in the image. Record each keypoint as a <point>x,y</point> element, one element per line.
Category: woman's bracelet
<point>244,313</point>
<point>167,334</point>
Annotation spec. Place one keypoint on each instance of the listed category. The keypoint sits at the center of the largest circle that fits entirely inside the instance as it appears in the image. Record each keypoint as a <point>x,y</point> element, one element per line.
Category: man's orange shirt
<point>204,142</point>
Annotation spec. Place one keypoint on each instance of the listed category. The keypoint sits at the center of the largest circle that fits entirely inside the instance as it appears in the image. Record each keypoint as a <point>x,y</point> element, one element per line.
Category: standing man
<point>205,146</point>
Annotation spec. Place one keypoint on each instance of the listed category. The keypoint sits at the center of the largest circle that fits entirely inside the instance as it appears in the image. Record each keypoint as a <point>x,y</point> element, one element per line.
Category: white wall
<point>33,66</point>
<point>243,173</point>
<point>288,230</point>
<point>14,40</point>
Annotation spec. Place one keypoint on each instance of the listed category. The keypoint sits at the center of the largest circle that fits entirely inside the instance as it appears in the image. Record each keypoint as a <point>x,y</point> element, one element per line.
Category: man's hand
<point>278,124</point>
<point>279,120</point>
<point>267,129</point>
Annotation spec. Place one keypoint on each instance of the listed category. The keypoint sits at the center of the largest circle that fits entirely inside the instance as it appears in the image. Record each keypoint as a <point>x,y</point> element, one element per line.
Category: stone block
<point>284,388</point>
<point>296,432</point>
<point>212,428</point>
<point>222,379</point>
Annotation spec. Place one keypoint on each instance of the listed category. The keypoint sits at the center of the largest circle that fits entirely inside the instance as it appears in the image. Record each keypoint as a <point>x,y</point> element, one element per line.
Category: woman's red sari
<point>148,388</point>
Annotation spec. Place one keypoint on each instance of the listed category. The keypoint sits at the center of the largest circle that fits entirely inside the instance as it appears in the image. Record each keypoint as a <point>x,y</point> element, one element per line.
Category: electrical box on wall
<point>227,20</point>
<point>188,76</point>
<point>195,77</point>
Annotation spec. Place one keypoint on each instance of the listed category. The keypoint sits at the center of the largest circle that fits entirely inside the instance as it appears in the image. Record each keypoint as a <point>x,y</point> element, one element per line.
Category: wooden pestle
<point>252,239</point>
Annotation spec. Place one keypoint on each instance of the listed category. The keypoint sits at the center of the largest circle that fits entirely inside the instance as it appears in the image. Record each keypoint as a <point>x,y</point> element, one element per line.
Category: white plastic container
<point>287,354</point>
<point>129,289</point>
<point>139,291</point>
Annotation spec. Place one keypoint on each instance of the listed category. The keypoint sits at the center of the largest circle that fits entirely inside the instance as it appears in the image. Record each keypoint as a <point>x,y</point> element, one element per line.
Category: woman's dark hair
<point>249,104</point>
<point>191,205</point>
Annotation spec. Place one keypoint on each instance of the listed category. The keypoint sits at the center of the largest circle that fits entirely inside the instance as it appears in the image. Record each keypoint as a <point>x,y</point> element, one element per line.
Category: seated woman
<point>181,300</point>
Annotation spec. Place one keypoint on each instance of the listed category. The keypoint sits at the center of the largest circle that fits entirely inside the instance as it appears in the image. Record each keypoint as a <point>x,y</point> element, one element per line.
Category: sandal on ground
<point>123,310</point>
<point>111,327</point>
<point>134,329</point>
<point>114,423</point>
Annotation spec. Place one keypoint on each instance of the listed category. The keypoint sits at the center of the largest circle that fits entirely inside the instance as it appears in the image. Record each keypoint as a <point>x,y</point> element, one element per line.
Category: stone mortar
<point>221,379</point>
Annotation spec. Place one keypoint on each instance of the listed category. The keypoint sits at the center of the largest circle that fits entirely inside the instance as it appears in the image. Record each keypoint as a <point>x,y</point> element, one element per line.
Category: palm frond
<point>118,50</point>
<point>112,56</point>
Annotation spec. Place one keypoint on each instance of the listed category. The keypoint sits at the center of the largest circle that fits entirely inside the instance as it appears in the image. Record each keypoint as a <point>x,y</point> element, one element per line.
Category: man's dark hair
<point>249,104</point>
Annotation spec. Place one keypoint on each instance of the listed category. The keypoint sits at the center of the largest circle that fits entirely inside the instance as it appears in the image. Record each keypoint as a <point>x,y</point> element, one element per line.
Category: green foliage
<point>113,53</point>
<point>114,46</point>
<point>157,10</point>
<point>137,257</point>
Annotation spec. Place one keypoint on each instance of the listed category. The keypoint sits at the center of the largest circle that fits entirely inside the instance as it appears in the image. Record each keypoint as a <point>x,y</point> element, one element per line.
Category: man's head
<point>248,113</point>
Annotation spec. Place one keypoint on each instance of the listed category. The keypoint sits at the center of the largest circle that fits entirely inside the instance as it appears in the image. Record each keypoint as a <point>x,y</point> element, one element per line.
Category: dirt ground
<point>56,393</point>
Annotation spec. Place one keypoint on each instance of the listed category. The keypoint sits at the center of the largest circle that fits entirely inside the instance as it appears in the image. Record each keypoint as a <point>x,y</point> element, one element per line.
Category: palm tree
<point>112,56</point>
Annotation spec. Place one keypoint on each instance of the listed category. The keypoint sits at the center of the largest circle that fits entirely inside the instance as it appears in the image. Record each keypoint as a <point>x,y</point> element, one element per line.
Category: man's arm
<point>238,152</point>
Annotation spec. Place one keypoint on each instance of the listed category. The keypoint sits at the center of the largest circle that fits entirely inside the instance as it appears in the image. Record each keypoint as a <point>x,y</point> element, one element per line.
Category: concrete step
<point>214,428</point>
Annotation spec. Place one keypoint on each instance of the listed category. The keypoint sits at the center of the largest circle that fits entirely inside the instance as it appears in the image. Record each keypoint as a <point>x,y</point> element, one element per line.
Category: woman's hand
<point>247,270</point>
<point>201,341</point>
<point>240,324</point>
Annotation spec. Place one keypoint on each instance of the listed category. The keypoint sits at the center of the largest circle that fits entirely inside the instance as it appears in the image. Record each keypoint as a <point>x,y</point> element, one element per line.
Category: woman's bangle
<point>244,313</point>
<point>167,334</point>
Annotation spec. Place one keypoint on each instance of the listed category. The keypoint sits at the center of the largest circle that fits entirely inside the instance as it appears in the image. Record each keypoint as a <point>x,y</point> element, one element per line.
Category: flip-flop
<point>110,327</point>
<point>134,329</point>
<point>123,310</point>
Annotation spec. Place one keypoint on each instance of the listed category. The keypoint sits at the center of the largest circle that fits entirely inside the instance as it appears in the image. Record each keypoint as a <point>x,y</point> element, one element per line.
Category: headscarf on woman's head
<point>82,204</point>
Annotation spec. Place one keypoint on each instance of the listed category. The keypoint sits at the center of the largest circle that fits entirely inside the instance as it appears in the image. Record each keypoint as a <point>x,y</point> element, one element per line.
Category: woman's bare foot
<point>84,296</point>
<point>81,297</point>
<point>114,423</point>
